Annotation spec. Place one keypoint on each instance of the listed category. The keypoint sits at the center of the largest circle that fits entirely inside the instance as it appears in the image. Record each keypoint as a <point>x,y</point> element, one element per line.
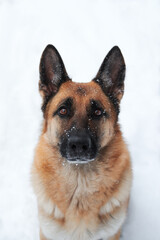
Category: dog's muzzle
<point>78,146</point>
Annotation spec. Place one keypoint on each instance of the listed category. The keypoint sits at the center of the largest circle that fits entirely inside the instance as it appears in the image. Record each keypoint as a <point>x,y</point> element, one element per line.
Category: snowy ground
<point>83,31</point>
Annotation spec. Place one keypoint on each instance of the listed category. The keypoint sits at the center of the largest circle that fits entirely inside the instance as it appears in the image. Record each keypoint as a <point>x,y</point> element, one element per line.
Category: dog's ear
<point>52,72</point>
<point>111,74</point>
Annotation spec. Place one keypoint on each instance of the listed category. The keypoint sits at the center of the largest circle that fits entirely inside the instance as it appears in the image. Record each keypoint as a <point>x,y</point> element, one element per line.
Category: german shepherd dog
<point>81,172</point>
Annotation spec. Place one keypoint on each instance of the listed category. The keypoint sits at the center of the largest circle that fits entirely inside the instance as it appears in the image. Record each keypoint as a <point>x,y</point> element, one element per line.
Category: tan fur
<point>80,202</point>
<point>116,237</point>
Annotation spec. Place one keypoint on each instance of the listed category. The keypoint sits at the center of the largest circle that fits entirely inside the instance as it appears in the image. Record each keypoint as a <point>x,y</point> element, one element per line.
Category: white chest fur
<point>53,231</point>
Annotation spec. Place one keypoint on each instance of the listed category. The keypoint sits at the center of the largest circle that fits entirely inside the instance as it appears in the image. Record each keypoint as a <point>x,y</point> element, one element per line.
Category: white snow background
<point>83,32</point>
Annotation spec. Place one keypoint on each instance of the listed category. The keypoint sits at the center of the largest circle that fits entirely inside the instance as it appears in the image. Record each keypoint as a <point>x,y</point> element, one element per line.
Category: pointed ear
<point>52,72</point>
<point>111,74</point>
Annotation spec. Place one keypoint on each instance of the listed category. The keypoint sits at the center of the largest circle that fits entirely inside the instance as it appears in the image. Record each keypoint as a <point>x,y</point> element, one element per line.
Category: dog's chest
<point>81,221</point>
<point>84,194</point>
<point>86,228</point>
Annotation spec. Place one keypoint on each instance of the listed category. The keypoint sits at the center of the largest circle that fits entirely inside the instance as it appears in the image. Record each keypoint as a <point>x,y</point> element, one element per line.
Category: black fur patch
<point>45,102</point>
<point>111,97</point>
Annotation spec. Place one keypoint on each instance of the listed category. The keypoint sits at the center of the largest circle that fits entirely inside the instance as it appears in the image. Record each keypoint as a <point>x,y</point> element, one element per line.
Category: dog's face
<point>80,118</point>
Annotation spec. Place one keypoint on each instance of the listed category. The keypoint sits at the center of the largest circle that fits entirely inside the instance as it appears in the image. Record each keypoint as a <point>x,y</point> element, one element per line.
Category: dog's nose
<point>79,145</point>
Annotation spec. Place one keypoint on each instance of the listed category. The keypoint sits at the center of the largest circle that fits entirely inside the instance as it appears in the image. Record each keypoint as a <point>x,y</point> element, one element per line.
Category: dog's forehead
<point>81,89</point>
<point>81,94</point>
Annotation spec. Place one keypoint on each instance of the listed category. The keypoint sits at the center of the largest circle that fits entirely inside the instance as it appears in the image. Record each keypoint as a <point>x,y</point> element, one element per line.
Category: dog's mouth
<point>79,160</point>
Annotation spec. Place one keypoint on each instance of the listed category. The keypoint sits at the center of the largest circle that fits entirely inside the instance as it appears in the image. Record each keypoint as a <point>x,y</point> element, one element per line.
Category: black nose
<point>79,145</point>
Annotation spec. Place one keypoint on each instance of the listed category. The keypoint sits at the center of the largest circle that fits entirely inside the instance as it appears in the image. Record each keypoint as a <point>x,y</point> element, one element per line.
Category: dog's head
<point>80,118</point>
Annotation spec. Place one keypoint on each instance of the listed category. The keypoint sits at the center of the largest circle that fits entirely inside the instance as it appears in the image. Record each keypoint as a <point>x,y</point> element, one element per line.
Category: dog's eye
<point>63,111</point>
<point>98,112</point>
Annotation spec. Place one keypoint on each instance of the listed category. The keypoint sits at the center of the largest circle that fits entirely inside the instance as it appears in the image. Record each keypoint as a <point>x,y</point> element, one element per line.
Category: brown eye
<point>98,112</point>
<point>63,111</point>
